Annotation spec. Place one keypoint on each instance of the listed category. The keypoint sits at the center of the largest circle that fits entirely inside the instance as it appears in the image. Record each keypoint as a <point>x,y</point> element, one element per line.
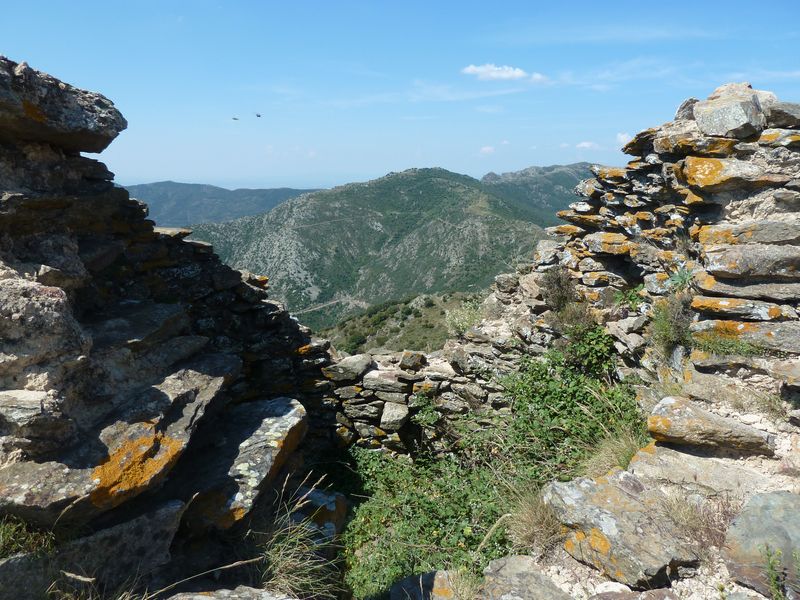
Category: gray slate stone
<point>783,336</point>
<point>752,260</point>
<point>35,106</point>
<point>518,578</point>
<point>394,416</point>
<point>784,114</point>
<point>737,115</point>
<point>680,421</point>
<point>769,519</point>
<point>350,368</point>
<point>618,528</point>
<point>434,585</point>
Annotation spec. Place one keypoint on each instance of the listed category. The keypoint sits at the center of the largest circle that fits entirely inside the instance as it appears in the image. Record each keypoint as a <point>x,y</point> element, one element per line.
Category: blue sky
<point>352,90</point>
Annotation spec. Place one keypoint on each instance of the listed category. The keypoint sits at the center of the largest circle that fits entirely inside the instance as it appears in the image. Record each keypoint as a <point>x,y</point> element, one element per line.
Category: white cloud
<point>487,150</point>
<point>623,138</point>
<point>491,72</point>
<point>563,145</point>
<point>539,78</point>
<point>505,142</point>
<point>587,146</point>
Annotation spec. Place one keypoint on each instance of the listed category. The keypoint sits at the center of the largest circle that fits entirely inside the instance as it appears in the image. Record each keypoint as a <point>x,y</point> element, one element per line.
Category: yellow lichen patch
<point>644,216</point>
<point>703,172</point>
<point>303,350</point>
<point>706,304</point>
<point>733,329</point>
<point>769,136</point>
<point>285,446</point>
<point>611,173</point>
<point>774,312</point>
<point>694,356</point>
<point>658,425</point>
<point>599,542</point>
<point>707,281</point>
<point>690,198</point>
<point>33,112</point>
<point>570,230</point>
<point>133,467</point>
<point>423,387</point>
<point>709,234</point>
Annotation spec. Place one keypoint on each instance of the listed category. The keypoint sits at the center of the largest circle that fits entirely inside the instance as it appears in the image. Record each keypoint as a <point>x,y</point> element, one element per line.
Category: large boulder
<point>37,107</point>
<point>617,526</point>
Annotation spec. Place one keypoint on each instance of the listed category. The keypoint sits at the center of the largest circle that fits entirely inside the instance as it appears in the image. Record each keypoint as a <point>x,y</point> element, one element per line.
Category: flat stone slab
<point>618,528</point>
<point>742,308</point>
<point>753,232</point>
<point>781,336</point>
<point>520,578</point>
<point>786,291</point>
<point>134,451</point>
<point>752,260</point>
<point>111,556</point>
<point>724,174</point>
<point>253,441</point>
<point>784,114</point>
<point>350,368</point>
<point>678,420</point>
<point>705,475</point>
<point>771,521</point>
<point>37,107</point>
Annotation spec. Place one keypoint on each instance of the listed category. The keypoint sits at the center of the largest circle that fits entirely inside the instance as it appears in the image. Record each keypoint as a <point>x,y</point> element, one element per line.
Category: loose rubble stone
<point>520,578</point>
<point>394,416</point>
<point>412,361</point>
<point>681,421</point>
<point>768,520</point>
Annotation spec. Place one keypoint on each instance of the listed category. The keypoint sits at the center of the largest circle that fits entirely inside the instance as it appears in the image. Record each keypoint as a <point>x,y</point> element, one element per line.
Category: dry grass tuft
<point>466,585</point>
<point>533,526</point>
<point>703,520</point>
<point>615,450</point>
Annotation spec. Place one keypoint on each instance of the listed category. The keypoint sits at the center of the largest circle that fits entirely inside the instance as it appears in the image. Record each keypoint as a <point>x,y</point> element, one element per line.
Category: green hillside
<point>174,204</point>
<point>334,252</point>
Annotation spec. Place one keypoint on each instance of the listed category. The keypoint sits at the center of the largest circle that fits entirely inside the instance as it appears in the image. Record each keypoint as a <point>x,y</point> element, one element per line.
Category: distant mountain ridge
<point>331,252</point>
<point>174,204</point>
<point>542,191</point>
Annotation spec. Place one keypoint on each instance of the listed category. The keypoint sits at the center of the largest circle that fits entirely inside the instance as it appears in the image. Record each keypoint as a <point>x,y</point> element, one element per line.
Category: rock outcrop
<point>127,354</point>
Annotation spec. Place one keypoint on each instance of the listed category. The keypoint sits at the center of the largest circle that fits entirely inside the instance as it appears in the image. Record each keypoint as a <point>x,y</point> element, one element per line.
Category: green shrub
<point>574,316</point>
<point>460,320</point>
<point>558,287</point>
<point>680,280</point>
<point>590,349</point>
<point>453,509</point>
<point>669,327</point>
<point>630,298</point>
<point>725,345</point>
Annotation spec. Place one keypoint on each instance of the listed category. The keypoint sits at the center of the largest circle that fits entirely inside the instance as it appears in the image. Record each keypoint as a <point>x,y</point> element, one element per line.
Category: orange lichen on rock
<point>658,425</point>
<point>703,172</point>
<point>217,509</point>
<point>716,235</point>
<point>133,467</point>
<point>704,303</point>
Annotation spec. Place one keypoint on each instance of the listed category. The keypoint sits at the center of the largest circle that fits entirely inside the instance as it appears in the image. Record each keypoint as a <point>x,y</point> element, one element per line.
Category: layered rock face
<point>127,353</point>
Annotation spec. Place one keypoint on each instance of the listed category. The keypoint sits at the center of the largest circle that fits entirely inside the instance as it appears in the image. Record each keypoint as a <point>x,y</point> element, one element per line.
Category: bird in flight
<point>258,115</point>
<point>235,118</point>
